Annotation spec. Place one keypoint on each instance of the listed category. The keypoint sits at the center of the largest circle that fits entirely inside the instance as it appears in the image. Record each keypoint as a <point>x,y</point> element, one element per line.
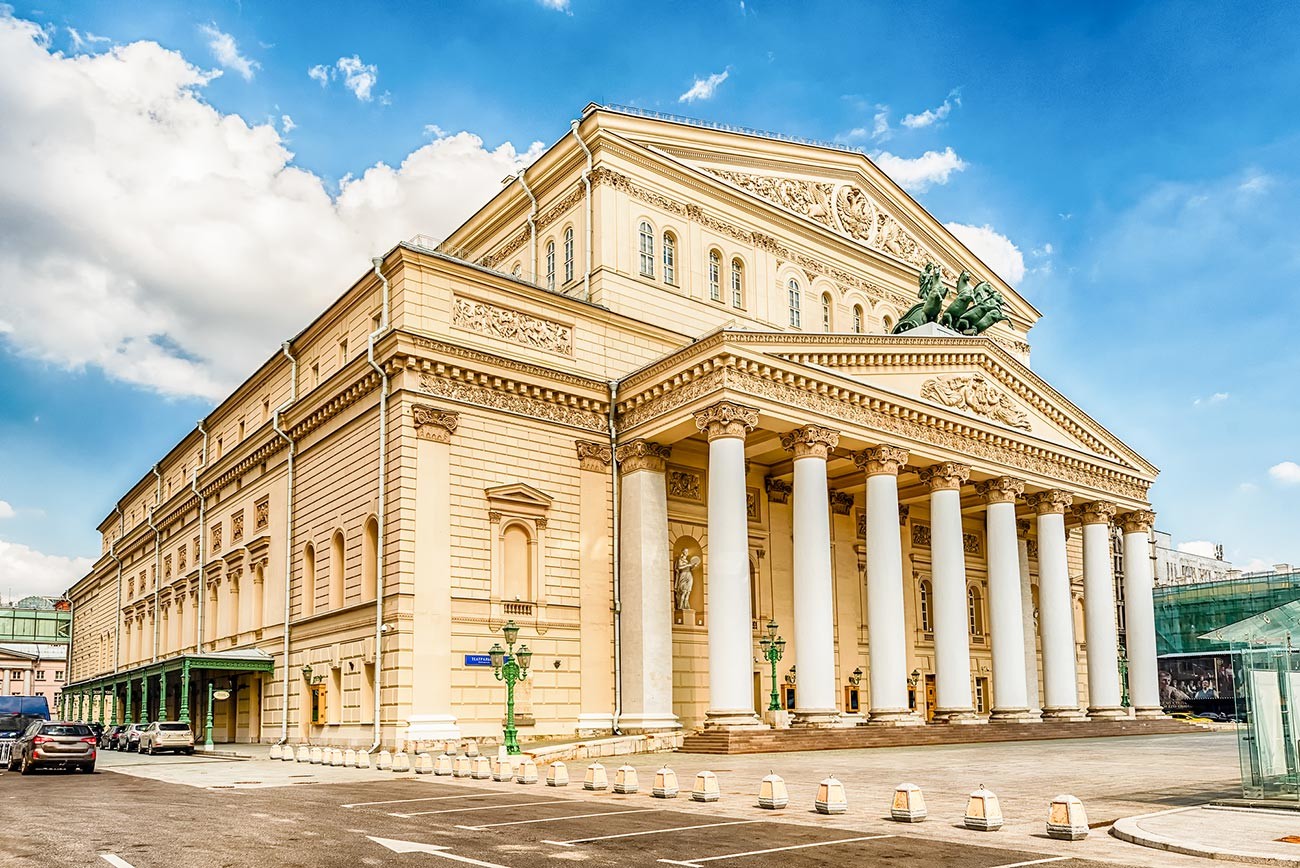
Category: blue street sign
<point>478,660</point>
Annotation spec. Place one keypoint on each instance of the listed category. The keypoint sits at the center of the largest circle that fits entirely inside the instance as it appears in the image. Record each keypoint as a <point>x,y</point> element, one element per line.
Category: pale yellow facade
<point>541,340</point>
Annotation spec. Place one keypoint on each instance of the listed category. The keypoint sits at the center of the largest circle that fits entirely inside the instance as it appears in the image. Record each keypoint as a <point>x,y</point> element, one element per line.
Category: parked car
<point>108,738</point>
<point>31,707</point>
<point>54,743</point>
<point>129,738</point>
<point>169,735</point>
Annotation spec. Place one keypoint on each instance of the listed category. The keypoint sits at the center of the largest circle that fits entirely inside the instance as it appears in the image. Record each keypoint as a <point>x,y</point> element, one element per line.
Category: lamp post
<point>1123,678</point>
<point>773,648</point>
<point>207,727</point>
<point>510,666</point>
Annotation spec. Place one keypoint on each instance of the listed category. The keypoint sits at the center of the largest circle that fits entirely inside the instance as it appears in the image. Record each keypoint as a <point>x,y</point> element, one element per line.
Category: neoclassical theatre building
<point>644,402</point>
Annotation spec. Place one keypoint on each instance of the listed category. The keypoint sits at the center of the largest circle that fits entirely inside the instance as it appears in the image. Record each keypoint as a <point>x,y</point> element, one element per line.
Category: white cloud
<point>996,250</point>
<point>1201,547</point>
<point>358,77</point>
<point>287,125</point>
<point>320,72</point>
<point>916,174</point>
<point>1287,473</point>
<point>145,176</point>
<point>934,115</point>
<point>1247,488</point>
<point>557,5</point>
<point>81,40</point>
<point>1216,398</point>
<point>6,511</point>
<point>434,131</point>
<point>25,571</point>
<point>703,88</point>
<point>1255,182</point>
<point>226,51</point>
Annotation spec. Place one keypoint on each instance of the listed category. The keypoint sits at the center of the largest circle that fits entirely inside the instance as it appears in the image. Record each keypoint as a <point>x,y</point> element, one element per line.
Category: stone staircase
<point>860,737</point>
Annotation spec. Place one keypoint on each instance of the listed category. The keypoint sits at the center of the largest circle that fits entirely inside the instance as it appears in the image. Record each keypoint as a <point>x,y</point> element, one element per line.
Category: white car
<point>169,735</point>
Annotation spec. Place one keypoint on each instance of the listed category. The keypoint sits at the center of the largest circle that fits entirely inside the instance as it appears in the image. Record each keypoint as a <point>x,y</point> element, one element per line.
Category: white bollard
<point>706,788</point>
<point>557,775</point>
<point>401,761</point>
<point>595,780</point>
<point>337,758</point>
<point>503,769</point>
<point>1066,819</point>
<point>462,766</point>
<point>625,780</point>
<point>385,761</point>
<point>317,755</point>
<point>424,764</point>
<point>480,768</point>
<point>363,759</point>
<point>442,765</point>
<point>908,805</point>
<point>527,773</point>
<point>471,748</point>
<point>665,785</point>
<point>983,813</point>
<point>830,797</point>
<point>276,751</point>
<point>350,758</point>
<point>772,792</point>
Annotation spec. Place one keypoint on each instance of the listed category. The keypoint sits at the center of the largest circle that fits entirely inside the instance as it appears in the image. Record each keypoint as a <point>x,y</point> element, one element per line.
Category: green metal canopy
<point>1273,627</point>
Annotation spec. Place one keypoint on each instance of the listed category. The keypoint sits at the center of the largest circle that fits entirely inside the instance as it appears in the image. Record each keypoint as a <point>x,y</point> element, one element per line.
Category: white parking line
<point>650,832</point>
<point>558,819</point>
<point>432,799</point>
<point>1033,862</point>
<point>479,808</point>
<point>115,861</point>
<point>695,863</point>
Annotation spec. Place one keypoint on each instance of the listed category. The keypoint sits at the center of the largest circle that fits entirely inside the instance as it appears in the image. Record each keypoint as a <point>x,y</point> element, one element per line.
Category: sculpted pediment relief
<point>976,394</point>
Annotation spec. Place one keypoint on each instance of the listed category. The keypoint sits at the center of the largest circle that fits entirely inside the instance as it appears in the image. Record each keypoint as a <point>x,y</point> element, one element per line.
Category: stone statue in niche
<point>684,578</point>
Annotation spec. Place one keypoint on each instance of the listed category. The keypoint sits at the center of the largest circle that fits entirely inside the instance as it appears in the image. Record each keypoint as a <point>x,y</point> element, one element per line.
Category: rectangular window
<point>40,674</point>
<point>647,251</point>
<point>794,307</point>
<point>58,675</point>
<point>737,289</point>
<point>715,267</point>
<point>568,254</point>
<point>319,704</point>
<point>670,259</point>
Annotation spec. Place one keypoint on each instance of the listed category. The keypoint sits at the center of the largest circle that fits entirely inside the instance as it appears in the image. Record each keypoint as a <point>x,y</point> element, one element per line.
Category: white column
<point>1139,613</point>
<point>951,624</point>
<point>886,629</point>
<point>814,604</point>
<point>646,592</point>
<point>1055,611</point>
<point>1006,624</point>
<point>727,610</point>
<point>1028,617</point>
<point>1104,695</point>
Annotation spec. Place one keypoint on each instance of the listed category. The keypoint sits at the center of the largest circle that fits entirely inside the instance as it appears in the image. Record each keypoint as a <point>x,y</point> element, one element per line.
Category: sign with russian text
<point>478,660</point>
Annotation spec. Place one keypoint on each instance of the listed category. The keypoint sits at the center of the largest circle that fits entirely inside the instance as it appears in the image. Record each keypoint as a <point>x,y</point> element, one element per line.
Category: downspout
<point>586,179</point>
<point>618,597</point>
<point>157,564</point>
<point>199,560</point>
<point>112,553</point>
<point>378,262</point>
<point>532,225</point>
<point>288,537</point>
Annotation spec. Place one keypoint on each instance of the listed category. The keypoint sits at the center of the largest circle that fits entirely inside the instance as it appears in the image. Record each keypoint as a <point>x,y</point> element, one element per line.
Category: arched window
<point>568,254</point>
<point>309,580</point>
<point>647,250</point>
<point>857,319</point>
<point>370,559</point>
<point>517,562</point>
<point>518,270</point>
<point>793,294</point>
<point>737,284</point>
<point>550,265</point>
<point>826,311</point>
<point>715,276</point>
<point>975,610</point>
<point>670,258</point>
<point>888,322</point>
<point>926,625</point>
<point>336,570</point>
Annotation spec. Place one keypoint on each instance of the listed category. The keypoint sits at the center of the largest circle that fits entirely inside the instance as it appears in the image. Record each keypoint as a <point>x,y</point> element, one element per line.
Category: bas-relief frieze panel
<point>685,484</point>
<point>512,325</point>
<point>970,542</point>
<point>974,394</point>
<point>511,403</point>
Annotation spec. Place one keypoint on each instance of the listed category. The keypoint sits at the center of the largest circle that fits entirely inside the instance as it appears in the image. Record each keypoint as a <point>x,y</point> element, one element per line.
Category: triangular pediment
<point>518,496</point>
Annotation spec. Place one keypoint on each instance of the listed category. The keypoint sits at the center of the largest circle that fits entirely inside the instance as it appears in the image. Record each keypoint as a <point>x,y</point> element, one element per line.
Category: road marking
<point>432,799</point>
<point>430,849</point>
<point>695,863</point>
<point>1033,862</point>
<point>115,861</point>
<point>650,832</point>
<point>479,808</point>
<point>559,819</point>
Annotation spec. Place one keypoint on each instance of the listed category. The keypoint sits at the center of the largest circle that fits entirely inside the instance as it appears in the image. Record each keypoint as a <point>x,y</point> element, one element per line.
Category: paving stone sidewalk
<point>1250,835</point>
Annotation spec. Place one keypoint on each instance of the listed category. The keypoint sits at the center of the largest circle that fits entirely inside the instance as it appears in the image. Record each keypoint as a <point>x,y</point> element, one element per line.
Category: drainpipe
<point>586,179</point>
<point>157,563</point>
<point>112,553</point>
<point>199,559</point>
<point>532,225</point>
<point>288,537</point>
<point>378,262</point>
<point>618,604</point>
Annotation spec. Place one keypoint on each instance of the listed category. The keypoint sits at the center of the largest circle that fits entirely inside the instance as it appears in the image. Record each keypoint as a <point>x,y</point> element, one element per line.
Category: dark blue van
<point>16,712</point>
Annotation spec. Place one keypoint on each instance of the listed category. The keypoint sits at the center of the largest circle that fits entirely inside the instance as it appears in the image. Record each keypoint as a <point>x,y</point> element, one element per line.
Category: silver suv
<point>164,735</point>
<point>54,743</point>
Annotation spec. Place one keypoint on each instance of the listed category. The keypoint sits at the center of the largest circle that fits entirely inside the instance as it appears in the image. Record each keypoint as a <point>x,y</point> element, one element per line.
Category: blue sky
<point>1131,167</point>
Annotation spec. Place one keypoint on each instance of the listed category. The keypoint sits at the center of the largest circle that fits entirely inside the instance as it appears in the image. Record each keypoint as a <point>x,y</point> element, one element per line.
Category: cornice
<point>455,351</point>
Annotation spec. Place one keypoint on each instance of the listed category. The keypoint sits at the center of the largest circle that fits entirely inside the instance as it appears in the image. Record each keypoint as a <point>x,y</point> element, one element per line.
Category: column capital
<point>778,490</point>
<point>642,455</point>
<point>434,424</point>
<point>1001,489</point>
<point>945,476</point>
<point>810,441</point>
<point>1137,520</point>
<point>1023,526</point>
<point>726,419</point>
<point>593,455</point>
<point>1054,501</point>
<point>1094,512</point>
<point>881,460</point>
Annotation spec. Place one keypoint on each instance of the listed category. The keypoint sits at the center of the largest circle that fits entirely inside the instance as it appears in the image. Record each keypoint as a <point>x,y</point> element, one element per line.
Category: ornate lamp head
<point>525,657</point>
<point>771,629</point>
<point>780,646</point>
<point>510,631</point>
<point>498,655</point>
<point>764,643</point>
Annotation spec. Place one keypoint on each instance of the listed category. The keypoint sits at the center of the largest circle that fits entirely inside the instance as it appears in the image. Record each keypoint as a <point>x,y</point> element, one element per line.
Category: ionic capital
<point>945,476</point>
<point>593,455</point>
<point>1001,489</point>
<point>434,424</point>
<point>726,419</point>
<point>810,441</point>
<point>881,460</point>
<point>1054,501</point>
<point>642,455</point>
<point>1023,526</point>
<point>1094,512</point>
<point>1137,521</point>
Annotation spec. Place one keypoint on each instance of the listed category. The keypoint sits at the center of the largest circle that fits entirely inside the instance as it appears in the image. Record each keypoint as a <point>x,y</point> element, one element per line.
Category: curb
<point>1127,829</point>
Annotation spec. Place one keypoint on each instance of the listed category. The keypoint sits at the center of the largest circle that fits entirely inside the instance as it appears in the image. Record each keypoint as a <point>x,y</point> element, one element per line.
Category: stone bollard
<point>452,748</point>
<point>772,792</point>
<point>462,766</point>
<point>1066,819</point>
<point>830,797</point>
<point>276,752</point>
<point>596,779</point>
<point>442,765</point>
<point>349,758</point>
<point>527,773</point>
<point>471,748</point>
<point>363,759</point>
<point>302,755</point>
<point>401,761</point>
<point>665,785</point>
<point>338,758</point>
<point>983,813</point>
<point>424,764</point>
<point>706,788</point>
<point>317,756</point>
<point>503,769</point>
<point>385,761</point>
<point>557,774</point>
<point>625,780</point>
<point>287,754</point>
<point>908,805</point>
<point>480,768</point>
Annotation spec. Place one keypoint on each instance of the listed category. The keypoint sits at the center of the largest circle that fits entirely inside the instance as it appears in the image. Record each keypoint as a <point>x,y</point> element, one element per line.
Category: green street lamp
<point>207,728</point>
<point>510,666</point>
<point>773,649</point>
<point>1123,677</point>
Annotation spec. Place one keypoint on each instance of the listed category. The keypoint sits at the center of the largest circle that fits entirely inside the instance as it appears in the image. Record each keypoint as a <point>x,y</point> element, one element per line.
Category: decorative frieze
<point>642,455</point>
<point>685,484</point>
<point>971,543</point>
<point>752,509</point>
<point>974,394</point>
<point>1094,512</point>
<point>216,538</point>
<point>167,567</point>
<point>810,441</point>
<point>904,510</point>
<point>512,325</point>
<point>921,535</point>
<point>841,502</point>
<point>778,490</point>
<point>434,424</point>
<point>726,419</point>
<point>1002,489</point>
<point>512,402</point>
<point>261,513</point>
<point>237,526</point>
<point>180,558</point>
<point>593,455</point>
